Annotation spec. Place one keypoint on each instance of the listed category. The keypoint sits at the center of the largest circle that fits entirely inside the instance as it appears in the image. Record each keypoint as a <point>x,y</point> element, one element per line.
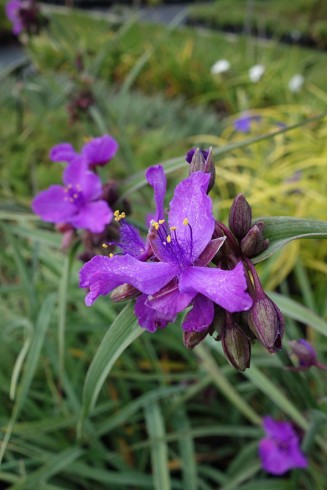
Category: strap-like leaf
<point>280,230</point>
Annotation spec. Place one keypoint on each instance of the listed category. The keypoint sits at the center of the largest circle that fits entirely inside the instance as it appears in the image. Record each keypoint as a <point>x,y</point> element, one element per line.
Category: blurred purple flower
<point>304,354</point>
<point>78,203</point>
<point>177,276</point>
<point>244,123</point>
<point>97,151</point>
<point>13,13</point>
<point>279,451</point>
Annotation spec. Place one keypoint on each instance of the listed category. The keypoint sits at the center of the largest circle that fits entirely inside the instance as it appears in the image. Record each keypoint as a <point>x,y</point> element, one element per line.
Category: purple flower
<point>77,203</point>
<point>304,354</point>
<point>279,451</point>
<point>177,275</point>
<point>243,124</point>
<point>97,151</point>
<point>13,13</point>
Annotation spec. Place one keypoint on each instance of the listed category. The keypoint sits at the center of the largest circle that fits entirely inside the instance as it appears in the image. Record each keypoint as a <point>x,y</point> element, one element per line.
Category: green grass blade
<point>280,230</point>
<point>299,312</point>
<point>123,331</point>
<point>181,423</point>
<point>32,360</point>
<point>159,449</point>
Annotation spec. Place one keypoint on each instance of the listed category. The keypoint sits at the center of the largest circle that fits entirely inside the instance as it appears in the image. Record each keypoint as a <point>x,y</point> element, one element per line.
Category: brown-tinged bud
<point>236,346</point>
<point>253,243</point>
<point>110,192</point>
<point>202,161</point>
<point>219,322</point>
<point>240,217</point>
<point>191,339</point>
<point>266,322</point>
<point>124,292</point>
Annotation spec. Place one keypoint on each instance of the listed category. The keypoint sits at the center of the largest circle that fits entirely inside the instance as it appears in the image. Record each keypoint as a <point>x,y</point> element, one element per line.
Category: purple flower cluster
<point>24,16</point>
<point>244,123</point>
<point>279,451</point>
<point>79,202</point>
<point>170,271</point>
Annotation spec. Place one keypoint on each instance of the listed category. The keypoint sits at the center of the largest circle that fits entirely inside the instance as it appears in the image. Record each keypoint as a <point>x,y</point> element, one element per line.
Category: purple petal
<point>201,315</point>
<point>169,300</point>
<point>52,205</point>
<point>12,12</point>
<point>100,150</point>
<point>130,240</point>
<point>76,174</point>
<point>277,429</point>
<point>191,201</point>
<point>64,152</point>
<point>156,178</point>
<point>93,216</point>
<point>226,288</point>
<point>277,459</point>
<point>102,274</point>
<point>148,317</point>
<point>191,152</point>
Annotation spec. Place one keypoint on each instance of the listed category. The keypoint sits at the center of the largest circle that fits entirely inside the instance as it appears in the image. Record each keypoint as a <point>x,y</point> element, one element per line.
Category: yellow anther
<point>155,225</point>
<point>173,228</point>
<point>110,255</point>
<point>104,245</point>
<point>168,239</point>
<point>118,216</point>
<point>161,221</point>
<point>185,222</point>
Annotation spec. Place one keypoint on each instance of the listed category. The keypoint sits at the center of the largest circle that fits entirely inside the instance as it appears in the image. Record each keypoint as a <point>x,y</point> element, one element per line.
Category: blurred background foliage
<point>166,418</point>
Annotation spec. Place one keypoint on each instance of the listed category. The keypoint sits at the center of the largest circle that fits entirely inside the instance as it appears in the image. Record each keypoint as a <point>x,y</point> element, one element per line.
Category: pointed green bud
<point>124,292</point>
<point>253,243</point>
<point>236,346</point>
<point>240,217</point>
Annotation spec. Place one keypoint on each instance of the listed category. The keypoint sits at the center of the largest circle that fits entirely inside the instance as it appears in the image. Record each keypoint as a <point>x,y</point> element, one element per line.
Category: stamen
<point>185,222</point>
<point>173,228</point>
<point>110,255</point>
<point>155,225</point>
<point>104,245</point>
<point>118,216</point>
<point>168,238</point>
<point>161,221</point>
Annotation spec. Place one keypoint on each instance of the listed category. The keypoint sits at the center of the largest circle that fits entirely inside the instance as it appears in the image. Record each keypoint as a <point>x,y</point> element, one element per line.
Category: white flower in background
<point>296,83</point>
<point>220,67</point>
<point>256,72</point>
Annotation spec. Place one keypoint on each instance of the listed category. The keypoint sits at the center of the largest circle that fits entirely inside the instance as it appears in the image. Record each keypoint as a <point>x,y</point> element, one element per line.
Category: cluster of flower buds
<point>243,240</point>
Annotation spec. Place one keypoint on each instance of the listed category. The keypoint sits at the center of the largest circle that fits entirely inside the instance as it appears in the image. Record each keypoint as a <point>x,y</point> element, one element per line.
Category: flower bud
<point>202,161</point>
<point>240,217</point>
<point>124,292</point>
<point>236,346</point>
<point>191,338</point>
<point>303,353</point>
<point>266,322</point>
<point>253,243</point>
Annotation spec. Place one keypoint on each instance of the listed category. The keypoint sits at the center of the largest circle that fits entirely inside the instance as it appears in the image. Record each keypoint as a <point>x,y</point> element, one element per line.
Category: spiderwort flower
<point>304,354</point>
<point>279,451</point>
<point>177,276</point>
<point>96,151</point>
<point>77,203</point>
<point>12,12</point>
<point>244,123</point>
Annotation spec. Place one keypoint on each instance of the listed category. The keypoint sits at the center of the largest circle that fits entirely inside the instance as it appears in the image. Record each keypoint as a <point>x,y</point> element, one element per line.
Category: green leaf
<point>159,448</point>
<point>32,359</point>
<point>280,230</point>
<point>123,331</point>
<point>299,312</point>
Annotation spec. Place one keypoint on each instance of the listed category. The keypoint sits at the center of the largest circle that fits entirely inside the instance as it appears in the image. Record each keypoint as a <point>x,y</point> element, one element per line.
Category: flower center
<point>74,195</point>
<point>170,247</point>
